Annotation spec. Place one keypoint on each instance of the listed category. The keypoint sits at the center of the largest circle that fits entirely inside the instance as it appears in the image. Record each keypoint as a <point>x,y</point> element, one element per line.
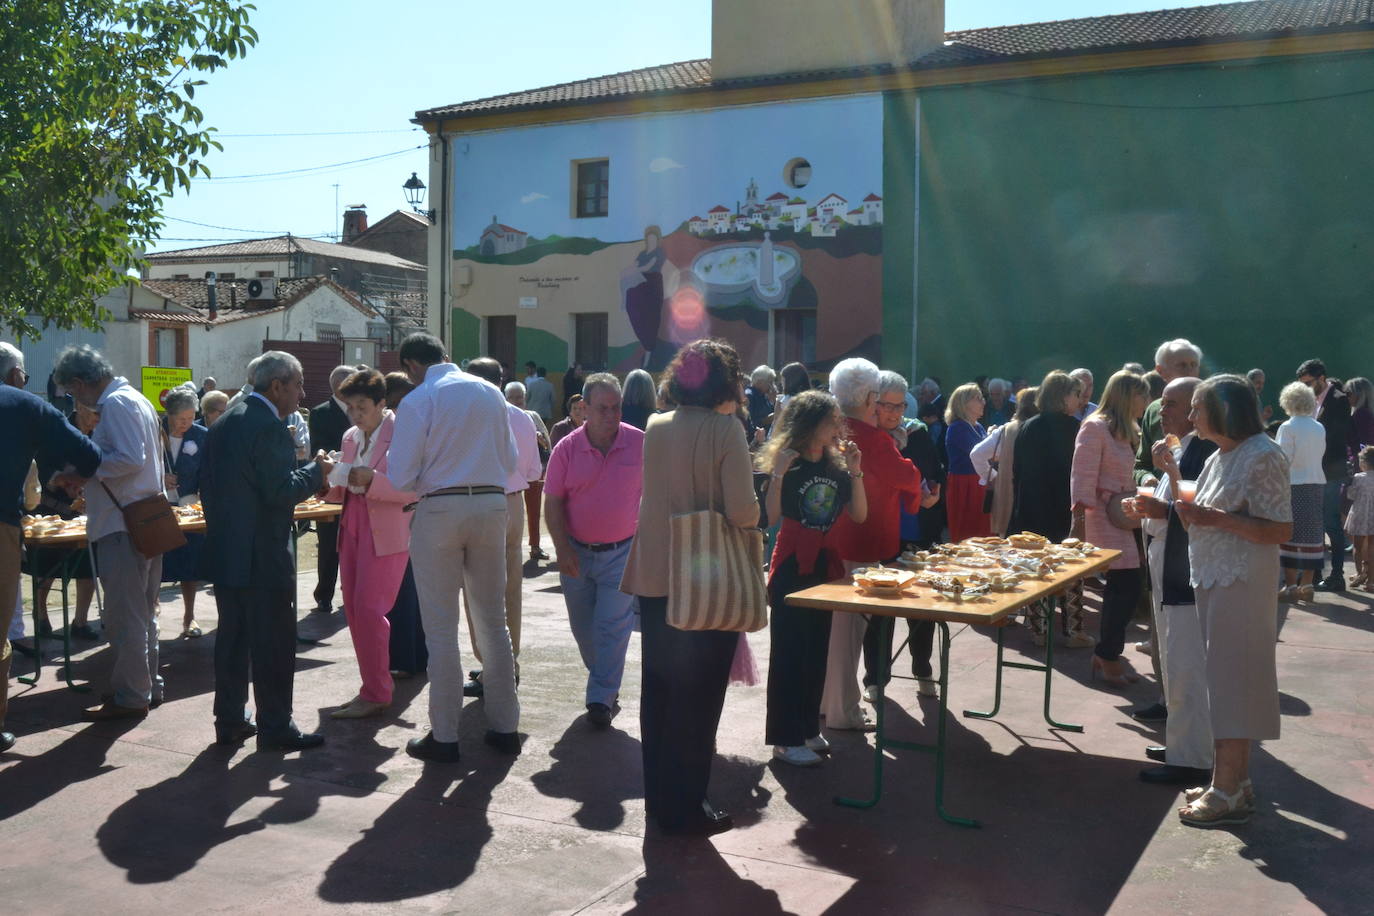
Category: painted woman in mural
<point>641,290</point>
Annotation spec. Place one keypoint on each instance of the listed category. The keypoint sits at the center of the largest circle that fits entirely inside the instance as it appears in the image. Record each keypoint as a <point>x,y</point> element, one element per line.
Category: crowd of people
<point>446,475</point>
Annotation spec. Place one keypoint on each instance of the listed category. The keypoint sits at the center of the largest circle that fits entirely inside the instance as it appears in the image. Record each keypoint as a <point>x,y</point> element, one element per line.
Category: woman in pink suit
<point>374,538</point>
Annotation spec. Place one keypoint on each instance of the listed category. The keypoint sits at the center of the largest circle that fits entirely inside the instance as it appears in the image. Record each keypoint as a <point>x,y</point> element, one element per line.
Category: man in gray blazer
<point>250,486</point>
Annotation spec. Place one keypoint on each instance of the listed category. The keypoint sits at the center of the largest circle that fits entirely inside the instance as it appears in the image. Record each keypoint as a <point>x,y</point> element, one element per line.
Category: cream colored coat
<point>682,470</point>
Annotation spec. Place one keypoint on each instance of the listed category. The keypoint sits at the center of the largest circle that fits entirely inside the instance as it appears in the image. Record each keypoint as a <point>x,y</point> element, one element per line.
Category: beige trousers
<point>515,577</point>
<point>840,696</point>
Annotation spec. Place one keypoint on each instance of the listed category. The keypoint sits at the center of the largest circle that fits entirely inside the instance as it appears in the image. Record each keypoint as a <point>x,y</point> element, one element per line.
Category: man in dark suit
<point>328,422</point>
<point>250,486</point>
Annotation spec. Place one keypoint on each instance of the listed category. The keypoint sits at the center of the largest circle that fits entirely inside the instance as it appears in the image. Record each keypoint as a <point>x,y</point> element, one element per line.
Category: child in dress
<point>1359,524</point>
<point>811,474</point>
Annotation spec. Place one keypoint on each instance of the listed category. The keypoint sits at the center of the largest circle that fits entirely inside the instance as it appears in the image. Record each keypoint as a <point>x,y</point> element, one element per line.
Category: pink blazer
<point>385,503</point>
<point>1102,466</point>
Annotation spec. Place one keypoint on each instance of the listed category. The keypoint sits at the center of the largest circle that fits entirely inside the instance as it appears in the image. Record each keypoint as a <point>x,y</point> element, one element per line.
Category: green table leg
<point>61,571</point>
<point>1047,668</point>
<point>881,742</point>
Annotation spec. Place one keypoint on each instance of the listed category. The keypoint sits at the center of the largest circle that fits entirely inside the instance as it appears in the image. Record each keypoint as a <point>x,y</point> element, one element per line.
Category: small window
<point>181,276</point>
<point>328,333</point>
<point>590,338</point>
<point>267,273</point>
<point>797,173</point>
<point>227,275</point>
<point>592,187</point>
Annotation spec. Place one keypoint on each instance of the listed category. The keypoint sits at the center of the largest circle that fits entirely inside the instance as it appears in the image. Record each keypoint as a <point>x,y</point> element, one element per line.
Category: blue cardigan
<point>187,467</point>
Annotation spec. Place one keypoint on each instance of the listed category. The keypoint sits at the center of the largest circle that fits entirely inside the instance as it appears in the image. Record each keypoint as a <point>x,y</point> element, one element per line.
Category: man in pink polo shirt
<point>591,503</point>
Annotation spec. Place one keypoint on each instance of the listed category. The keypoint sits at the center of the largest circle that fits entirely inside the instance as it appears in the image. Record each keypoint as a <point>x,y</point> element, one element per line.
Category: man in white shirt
<point>530,469</point>
<point>131,469</point>
<point>453,445</point>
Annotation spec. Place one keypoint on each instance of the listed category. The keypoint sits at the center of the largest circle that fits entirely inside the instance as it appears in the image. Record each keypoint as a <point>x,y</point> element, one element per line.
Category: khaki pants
<point>130,582</point>
<point>9,599</point>
<point>840,697</point>
<point>515,578</point>
<point>457,545</point>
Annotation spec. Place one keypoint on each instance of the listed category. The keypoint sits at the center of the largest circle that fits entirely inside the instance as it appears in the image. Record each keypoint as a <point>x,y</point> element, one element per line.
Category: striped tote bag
<point>715,572</point>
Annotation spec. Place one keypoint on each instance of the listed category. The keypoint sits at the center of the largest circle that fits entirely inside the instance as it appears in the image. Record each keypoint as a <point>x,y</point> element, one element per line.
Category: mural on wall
<point>713,220</point>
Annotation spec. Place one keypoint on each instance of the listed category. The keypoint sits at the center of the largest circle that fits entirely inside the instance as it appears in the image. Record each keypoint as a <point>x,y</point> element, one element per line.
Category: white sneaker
<point>871,693</point>
<point>927,687</point>
<point>799,756</point>
<point>820,744</point>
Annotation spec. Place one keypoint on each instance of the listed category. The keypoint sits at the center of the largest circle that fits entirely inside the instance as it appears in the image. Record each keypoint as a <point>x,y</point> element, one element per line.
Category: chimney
<point>354,223</point>
<point>763,37</point>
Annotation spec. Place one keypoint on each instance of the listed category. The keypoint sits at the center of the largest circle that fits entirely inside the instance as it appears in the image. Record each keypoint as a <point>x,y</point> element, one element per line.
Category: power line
<point>228,228</point>
<point>311,168</point>
<point>327,133</point>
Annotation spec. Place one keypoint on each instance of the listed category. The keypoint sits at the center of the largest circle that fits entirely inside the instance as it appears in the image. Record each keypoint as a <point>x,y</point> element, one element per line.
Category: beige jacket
<point>690,454</point>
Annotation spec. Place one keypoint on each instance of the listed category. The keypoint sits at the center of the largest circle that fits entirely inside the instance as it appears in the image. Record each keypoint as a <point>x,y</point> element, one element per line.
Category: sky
<point>327,94</point>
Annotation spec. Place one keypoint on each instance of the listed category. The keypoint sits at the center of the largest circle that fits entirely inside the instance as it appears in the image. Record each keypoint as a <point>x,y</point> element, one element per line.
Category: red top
<point>888,477</point>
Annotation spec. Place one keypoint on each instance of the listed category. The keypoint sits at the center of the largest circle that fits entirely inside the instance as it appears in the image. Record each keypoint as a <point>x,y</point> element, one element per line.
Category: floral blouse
<point>1251,479</point>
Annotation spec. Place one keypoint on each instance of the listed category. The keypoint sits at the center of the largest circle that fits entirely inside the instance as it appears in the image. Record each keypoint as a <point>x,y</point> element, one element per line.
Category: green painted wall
<point>1080,221</point>
<point>546,349</point>
<point>466,335</point>
<point>899,229</point>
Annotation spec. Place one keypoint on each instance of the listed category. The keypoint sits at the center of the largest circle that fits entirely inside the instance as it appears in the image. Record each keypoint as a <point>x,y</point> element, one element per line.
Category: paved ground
<point>153,817</point>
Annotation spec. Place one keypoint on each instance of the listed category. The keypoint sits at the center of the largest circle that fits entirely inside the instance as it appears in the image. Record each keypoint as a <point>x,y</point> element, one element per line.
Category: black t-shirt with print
<point>814,493</point>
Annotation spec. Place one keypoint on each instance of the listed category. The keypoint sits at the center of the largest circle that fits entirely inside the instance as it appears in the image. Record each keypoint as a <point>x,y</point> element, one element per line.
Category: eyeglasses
<point>888,405</point>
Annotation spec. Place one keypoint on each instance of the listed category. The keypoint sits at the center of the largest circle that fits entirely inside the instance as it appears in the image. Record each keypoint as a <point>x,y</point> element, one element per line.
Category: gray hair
<point>640,391</point>
<point>1083,375</point>
<point>1361,392</point>
<point>928,384</point>
<point>760,377</point>
<point>852,381</point>
<point>274,365</point>
<point>1004,386</point>
<point>1254,375</point>
<point>515,388</point>
<point>179,399</point>
<point>1172,347</point>
<point>10,358</point>
<point>81,363</point>
<point>599,380</point>
<point>338,374</point>
<point>214,400</point>
<point>1297,400</point>
<point>891,381</point>
<point>252,370</point>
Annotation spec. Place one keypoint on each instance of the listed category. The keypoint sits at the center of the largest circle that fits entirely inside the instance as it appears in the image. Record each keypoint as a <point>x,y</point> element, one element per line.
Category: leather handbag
<point>152,525</point>
<point>715,570</point>
<point>1117,515</point>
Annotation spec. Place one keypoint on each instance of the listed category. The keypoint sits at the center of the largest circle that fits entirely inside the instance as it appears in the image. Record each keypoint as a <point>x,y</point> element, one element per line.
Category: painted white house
<point>498,238</point>
<point>831,206</point>
<point>696,225</point>
<point>873,210</point>
<point>720,218</point>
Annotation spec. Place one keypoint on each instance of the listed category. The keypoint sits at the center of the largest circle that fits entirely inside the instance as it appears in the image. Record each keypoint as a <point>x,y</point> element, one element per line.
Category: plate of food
<point>882,581</point>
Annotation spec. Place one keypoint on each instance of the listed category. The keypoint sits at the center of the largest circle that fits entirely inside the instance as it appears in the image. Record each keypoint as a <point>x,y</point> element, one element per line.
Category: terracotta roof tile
<point>231,299</point>
<point>1254,19</point>
<point>281,246</point>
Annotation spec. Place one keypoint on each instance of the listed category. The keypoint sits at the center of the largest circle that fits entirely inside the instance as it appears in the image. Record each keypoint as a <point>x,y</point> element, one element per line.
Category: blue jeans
<point>1331,521</point>
<point>601,617</point>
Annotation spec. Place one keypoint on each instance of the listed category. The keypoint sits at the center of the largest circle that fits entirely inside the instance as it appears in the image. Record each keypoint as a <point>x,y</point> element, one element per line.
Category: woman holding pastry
<point>1103,468</point>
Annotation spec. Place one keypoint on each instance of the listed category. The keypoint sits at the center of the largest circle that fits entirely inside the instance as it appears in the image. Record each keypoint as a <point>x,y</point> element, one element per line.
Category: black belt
<point>467,491</point>
<point>602,548</point>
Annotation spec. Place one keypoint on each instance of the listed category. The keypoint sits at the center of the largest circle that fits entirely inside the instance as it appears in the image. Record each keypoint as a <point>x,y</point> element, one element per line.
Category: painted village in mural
<point>792,264</point>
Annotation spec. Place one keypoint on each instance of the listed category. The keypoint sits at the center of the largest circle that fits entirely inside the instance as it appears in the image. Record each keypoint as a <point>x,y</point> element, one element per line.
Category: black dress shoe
<point>473,688</point>
<point>235,734</point>
<point>321,609</point>
<point>1156,713</point>
<point>1332,584</point>
<point>291,741</point>
<point>1168,774</point>
<point>708,822</point>
<point>427,748</point>
<point>505,742</point>
<point>6,741</point>
<point>1155,752</point>
<point>85,631</point>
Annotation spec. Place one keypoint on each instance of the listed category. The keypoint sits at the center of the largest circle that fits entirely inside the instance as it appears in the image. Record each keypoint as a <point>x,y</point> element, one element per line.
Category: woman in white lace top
<point>1242,512</point>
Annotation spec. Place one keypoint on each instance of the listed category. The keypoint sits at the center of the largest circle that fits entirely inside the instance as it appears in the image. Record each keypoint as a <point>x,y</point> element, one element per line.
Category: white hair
<point>852,381</point>
<point>1297,400</point>
<point>338,374</point>
<point>1004,386</point>
<point>273,365</point>
<point>180,398</point>
<point>11,357</point>
<point>1172,347</point>
<point>891,381</point>
<point>928,384</point>
<point>1083,375</point>
<point>762,376</point>
<point>515,388</point>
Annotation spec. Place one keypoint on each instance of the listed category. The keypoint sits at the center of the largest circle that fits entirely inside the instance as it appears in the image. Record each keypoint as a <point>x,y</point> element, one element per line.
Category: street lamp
<point>415,195</point>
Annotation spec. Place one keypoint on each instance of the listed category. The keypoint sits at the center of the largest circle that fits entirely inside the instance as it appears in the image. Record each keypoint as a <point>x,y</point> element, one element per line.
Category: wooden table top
<point>77,538</point>
<point>922,603</point>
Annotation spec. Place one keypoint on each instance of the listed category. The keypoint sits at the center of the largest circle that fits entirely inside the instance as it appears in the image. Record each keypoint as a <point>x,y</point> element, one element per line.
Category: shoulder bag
<point>153,527</point>
<point>715,570</point>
